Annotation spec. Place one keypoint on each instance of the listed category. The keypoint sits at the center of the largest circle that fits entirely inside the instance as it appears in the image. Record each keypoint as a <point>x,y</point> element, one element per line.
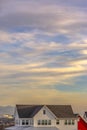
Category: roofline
<point>47,108</point>
<point>51,111</point>
<point>16,111</point>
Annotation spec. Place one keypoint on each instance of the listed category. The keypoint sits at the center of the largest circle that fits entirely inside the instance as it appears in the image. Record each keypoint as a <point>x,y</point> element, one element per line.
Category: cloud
<point>51,18</point>
<point>38,76</point>
<point>42,47</point>
<point>39,63</point>
<point>6,37</point>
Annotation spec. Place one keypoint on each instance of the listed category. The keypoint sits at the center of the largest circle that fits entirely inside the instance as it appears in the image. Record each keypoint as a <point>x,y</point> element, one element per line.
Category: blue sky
<point>43,52</point>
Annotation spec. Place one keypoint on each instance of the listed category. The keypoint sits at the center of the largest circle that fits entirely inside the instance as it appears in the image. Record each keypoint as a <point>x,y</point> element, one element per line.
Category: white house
<point>60,117</point>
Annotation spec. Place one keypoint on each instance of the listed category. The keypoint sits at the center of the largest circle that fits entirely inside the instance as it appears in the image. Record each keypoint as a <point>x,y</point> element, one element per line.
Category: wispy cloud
<point>40,62</point>
<point>43,46</point>
<point>54,18</point>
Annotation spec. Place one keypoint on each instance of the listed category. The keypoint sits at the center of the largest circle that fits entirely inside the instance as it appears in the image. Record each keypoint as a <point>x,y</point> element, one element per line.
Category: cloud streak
<point>42,49</point>
<point>47,18</point>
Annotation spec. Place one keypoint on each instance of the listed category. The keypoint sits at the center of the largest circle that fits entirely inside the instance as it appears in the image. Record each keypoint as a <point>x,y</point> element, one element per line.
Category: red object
<point>82,125</point>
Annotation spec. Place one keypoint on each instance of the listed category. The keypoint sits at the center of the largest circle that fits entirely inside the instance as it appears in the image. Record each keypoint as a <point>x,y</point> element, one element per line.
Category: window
<point>57,122</point>
<point>49,122</point>
<point>31,122</point>
<point>44,112</point>
<point>27,123</point>
<point>65,122</point>
<point>42,122</point>
<point>23,122</point>
<point>69,122</point>
<point>38,122</point>
<point>73,122</point>
<point>45,122</point>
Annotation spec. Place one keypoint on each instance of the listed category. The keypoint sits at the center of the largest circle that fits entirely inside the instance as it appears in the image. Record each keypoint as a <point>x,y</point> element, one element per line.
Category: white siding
<point>47,116</point>
<point>62,125</point>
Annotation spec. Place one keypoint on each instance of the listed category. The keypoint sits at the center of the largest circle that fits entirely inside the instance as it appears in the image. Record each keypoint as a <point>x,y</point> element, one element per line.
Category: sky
<point>43,52</point>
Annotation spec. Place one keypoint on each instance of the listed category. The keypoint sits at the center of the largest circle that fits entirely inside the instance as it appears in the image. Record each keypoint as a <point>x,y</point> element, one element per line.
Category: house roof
<point>28,111</point>
<point>60,111</point>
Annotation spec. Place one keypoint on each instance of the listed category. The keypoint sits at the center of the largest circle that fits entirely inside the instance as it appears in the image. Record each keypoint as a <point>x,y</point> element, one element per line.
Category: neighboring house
<point>47,116</point>
<point>82,125</point>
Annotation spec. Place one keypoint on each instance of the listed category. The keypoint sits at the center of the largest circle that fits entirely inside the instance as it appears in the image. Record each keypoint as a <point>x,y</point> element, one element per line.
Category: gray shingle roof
<point>28,111</point>
<point>60,111</point>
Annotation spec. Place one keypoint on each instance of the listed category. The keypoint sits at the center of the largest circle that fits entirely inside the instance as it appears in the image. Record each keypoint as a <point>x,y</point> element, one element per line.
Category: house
<point>82,124</point>
<point>58,117</point>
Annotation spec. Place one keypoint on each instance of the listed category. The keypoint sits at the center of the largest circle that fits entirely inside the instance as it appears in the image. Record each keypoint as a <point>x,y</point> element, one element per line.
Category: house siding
<point>40,116</point>
<point>62,125</point>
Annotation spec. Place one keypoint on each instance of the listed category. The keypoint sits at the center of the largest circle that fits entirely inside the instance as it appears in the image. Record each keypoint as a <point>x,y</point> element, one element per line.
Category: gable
<point>44,113</point>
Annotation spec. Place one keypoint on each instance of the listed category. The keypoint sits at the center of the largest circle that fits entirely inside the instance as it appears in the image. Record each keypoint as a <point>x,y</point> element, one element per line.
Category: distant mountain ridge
<point>6,110</point>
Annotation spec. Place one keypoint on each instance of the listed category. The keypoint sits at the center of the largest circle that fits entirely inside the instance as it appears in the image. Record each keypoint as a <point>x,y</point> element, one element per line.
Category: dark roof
<point>28,111</point>
<point>60,111</point>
